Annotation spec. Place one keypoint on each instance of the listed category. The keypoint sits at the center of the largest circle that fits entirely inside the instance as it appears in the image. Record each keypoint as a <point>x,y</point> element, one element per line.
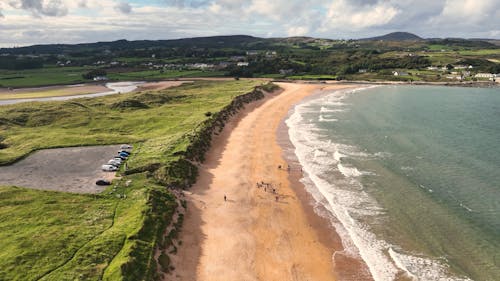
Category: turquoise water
<point>411,176</point>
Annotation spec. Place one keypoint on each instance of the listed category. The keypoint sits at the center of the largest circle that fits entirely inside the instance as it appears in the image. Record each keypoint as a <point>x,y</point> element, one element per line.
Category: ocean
<point>410,176</point>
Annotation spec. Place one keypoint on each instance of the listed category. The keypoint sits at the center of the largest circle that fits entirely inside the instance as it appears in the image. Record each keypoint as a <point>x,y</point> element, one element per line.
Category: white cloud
<point>52,8</point>
<point>123,7</point>
<point>297,31</point>
<point>343,14</point>
<point>73,21</point>
<point>468,10</point>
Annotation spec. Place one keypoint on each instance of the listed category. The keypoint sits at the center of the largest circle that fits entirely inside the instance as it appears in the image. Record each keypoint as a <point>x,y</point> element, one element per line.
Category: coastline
<point>252,236</point>
<point>345,267</point>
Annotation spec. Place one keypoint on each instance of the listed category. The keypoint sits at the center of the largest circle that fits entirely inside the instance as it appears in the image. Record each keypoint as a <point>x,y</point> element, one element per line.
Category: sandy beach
<point>255,234</point>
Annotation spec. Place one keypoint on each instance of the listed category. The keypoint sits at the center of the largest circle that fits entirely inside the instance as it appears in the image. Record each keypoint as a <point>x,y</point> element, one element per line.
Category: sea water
<point>410,176</point>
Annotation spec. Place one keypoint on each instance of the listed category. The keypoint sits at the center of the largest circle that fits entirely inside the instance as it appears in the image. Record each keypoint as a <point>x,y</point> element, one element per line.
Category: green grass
<point>43,94</point>
<point>60,236</point>
<point>158,123</point>
<point>168,74</point>
<point>42,77</point>
<point>41,230</point>
<point>48,76</point>
<point>485,52</point>
<point>312,77</point>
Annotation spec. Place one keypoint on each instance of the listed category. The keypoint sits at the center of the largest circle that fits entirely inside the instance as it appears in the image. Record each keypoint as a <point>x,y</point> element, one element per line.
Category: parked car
<point>114,163</point>
<point>121,157</point>
<point>109,168</point>
<point>122,154</point>
<point>125,146</point>
<point>124,151</point>
<point>103,182</point>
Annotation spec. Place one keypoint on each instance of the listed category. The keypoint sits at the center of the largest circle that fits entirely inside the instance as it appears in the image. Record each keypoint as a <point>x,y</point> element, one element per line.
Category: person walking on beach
<point>225,198</point>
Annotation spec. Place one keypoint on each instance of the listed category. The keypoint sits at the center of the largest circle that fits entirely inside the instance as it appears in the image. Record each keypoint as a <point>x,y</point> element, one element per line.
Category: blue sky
<point>25,22</point>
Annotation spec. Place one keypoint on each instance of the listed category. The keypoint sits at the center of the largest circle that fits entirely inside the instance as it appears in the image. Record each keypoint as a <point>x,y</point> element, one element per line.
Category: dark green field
<point>292,58</point>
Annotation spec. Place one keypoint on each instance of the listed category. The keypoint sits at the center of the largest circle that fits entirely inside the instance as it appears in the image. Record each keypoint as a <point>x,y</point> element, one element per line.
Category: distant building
<point>363,71</point>
<point>485,75</point>
<point>400,73</point>
<point>463,67</point>
<point>252,53</point>
<point>222,65</point>
<point>100,78</point>
<point>242,64</point>
<point>237,58</point>
<point>433,68</point>
<point>454,77</point>
<point>286,71</point>
<point>271,54</point>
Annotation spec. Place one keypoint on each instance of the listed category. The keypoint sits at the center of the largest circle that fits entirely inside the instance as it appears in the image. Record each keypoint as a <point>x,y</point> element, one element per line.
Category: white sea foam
<point>329,110</point>
<point>337,156</point>
<point>324,119</point>
<point>421,268</point>
<point>335,187</point>
<point>349,171</point>
<point>407,168</point>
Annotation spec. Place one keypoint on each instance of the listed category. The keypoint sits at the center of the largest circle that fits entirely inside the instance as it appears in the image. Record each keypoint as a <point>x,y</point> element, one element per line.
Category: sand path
<point>251,236</point>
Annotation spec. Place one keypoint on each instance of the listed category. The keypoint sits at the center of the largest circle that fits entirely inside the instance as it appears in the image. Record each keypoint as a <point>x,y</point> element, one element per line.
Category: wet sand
<point>253,236</point>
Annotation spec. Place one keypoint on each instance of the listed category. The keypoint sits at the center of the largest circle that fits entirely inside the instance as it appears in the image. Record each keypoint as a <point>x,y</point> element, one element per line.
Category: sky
<point>27,22</point>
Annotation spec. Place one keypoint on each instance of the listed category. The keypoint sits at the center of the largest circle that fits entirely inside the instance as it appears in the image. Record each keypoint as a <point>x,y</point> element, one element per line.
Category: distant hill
<point>231,41</point>
<point>395,36</point>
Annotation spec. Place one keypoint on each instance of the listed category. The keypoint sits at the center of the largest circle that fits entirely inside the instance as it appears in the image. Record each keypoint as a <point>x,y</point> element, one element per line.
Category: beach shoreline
<point>257,234</point>
<point>346,267</point>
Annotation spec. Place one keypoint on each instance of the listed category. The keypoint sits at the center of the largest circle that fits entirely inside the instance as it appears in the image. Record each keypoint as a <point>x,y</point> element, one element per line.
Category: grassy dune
<point>44,94</point>
<point>112,235</point>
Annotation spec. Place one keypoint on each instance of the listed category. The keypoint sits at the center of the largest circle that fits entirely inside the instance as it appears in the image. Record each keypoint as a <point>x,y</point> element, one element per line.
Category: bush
<point>94,73</point>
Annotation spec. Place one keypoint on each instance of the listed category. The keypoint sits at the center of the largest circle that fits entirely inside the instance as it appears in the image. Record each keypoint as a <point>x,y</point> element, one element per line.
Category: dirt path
<point>251,236</point>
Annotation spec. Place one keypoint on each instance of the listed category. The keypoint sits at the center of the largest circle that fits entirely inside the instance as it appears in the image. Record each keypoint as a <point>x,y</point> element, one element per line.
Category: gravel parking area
<point>73,169</point>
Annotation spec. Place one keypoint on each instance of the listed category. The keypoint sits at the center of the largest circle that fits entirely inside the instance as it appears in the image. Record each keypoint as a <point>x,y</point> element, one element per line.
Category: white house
<point>400,73</point>
<point>242,64</point>
<point>485,75</point>
<point>100,78</point>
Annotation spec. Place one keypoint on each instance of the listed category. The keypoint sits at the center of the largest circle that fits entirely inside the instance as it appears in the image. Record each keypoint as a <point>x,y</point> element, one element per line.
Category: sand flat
<point>251,236</point>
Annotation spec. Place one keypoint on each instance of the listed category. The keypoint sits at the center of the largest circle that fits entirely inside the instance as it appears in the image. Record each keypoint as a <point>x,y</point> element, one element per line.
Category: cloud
<point>82,4</point>
<point>297,31</point>
<point>357,15</point>
<point>51,8</point>
<point>187,3</point>
<point>98,20</point>
<point>123,7</point>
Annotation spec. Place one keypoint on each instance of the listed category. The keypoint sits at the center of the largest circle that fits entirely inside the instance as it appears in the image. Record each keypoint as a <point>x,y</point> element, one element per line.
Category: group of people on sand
<point>268,187</point>
<point>280,167</point>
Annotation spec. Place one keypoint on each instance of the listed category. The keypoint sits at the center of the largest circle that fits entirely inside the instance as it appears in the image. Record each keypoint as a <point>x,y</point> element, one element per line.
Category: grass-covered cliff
<point>113,235</point>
